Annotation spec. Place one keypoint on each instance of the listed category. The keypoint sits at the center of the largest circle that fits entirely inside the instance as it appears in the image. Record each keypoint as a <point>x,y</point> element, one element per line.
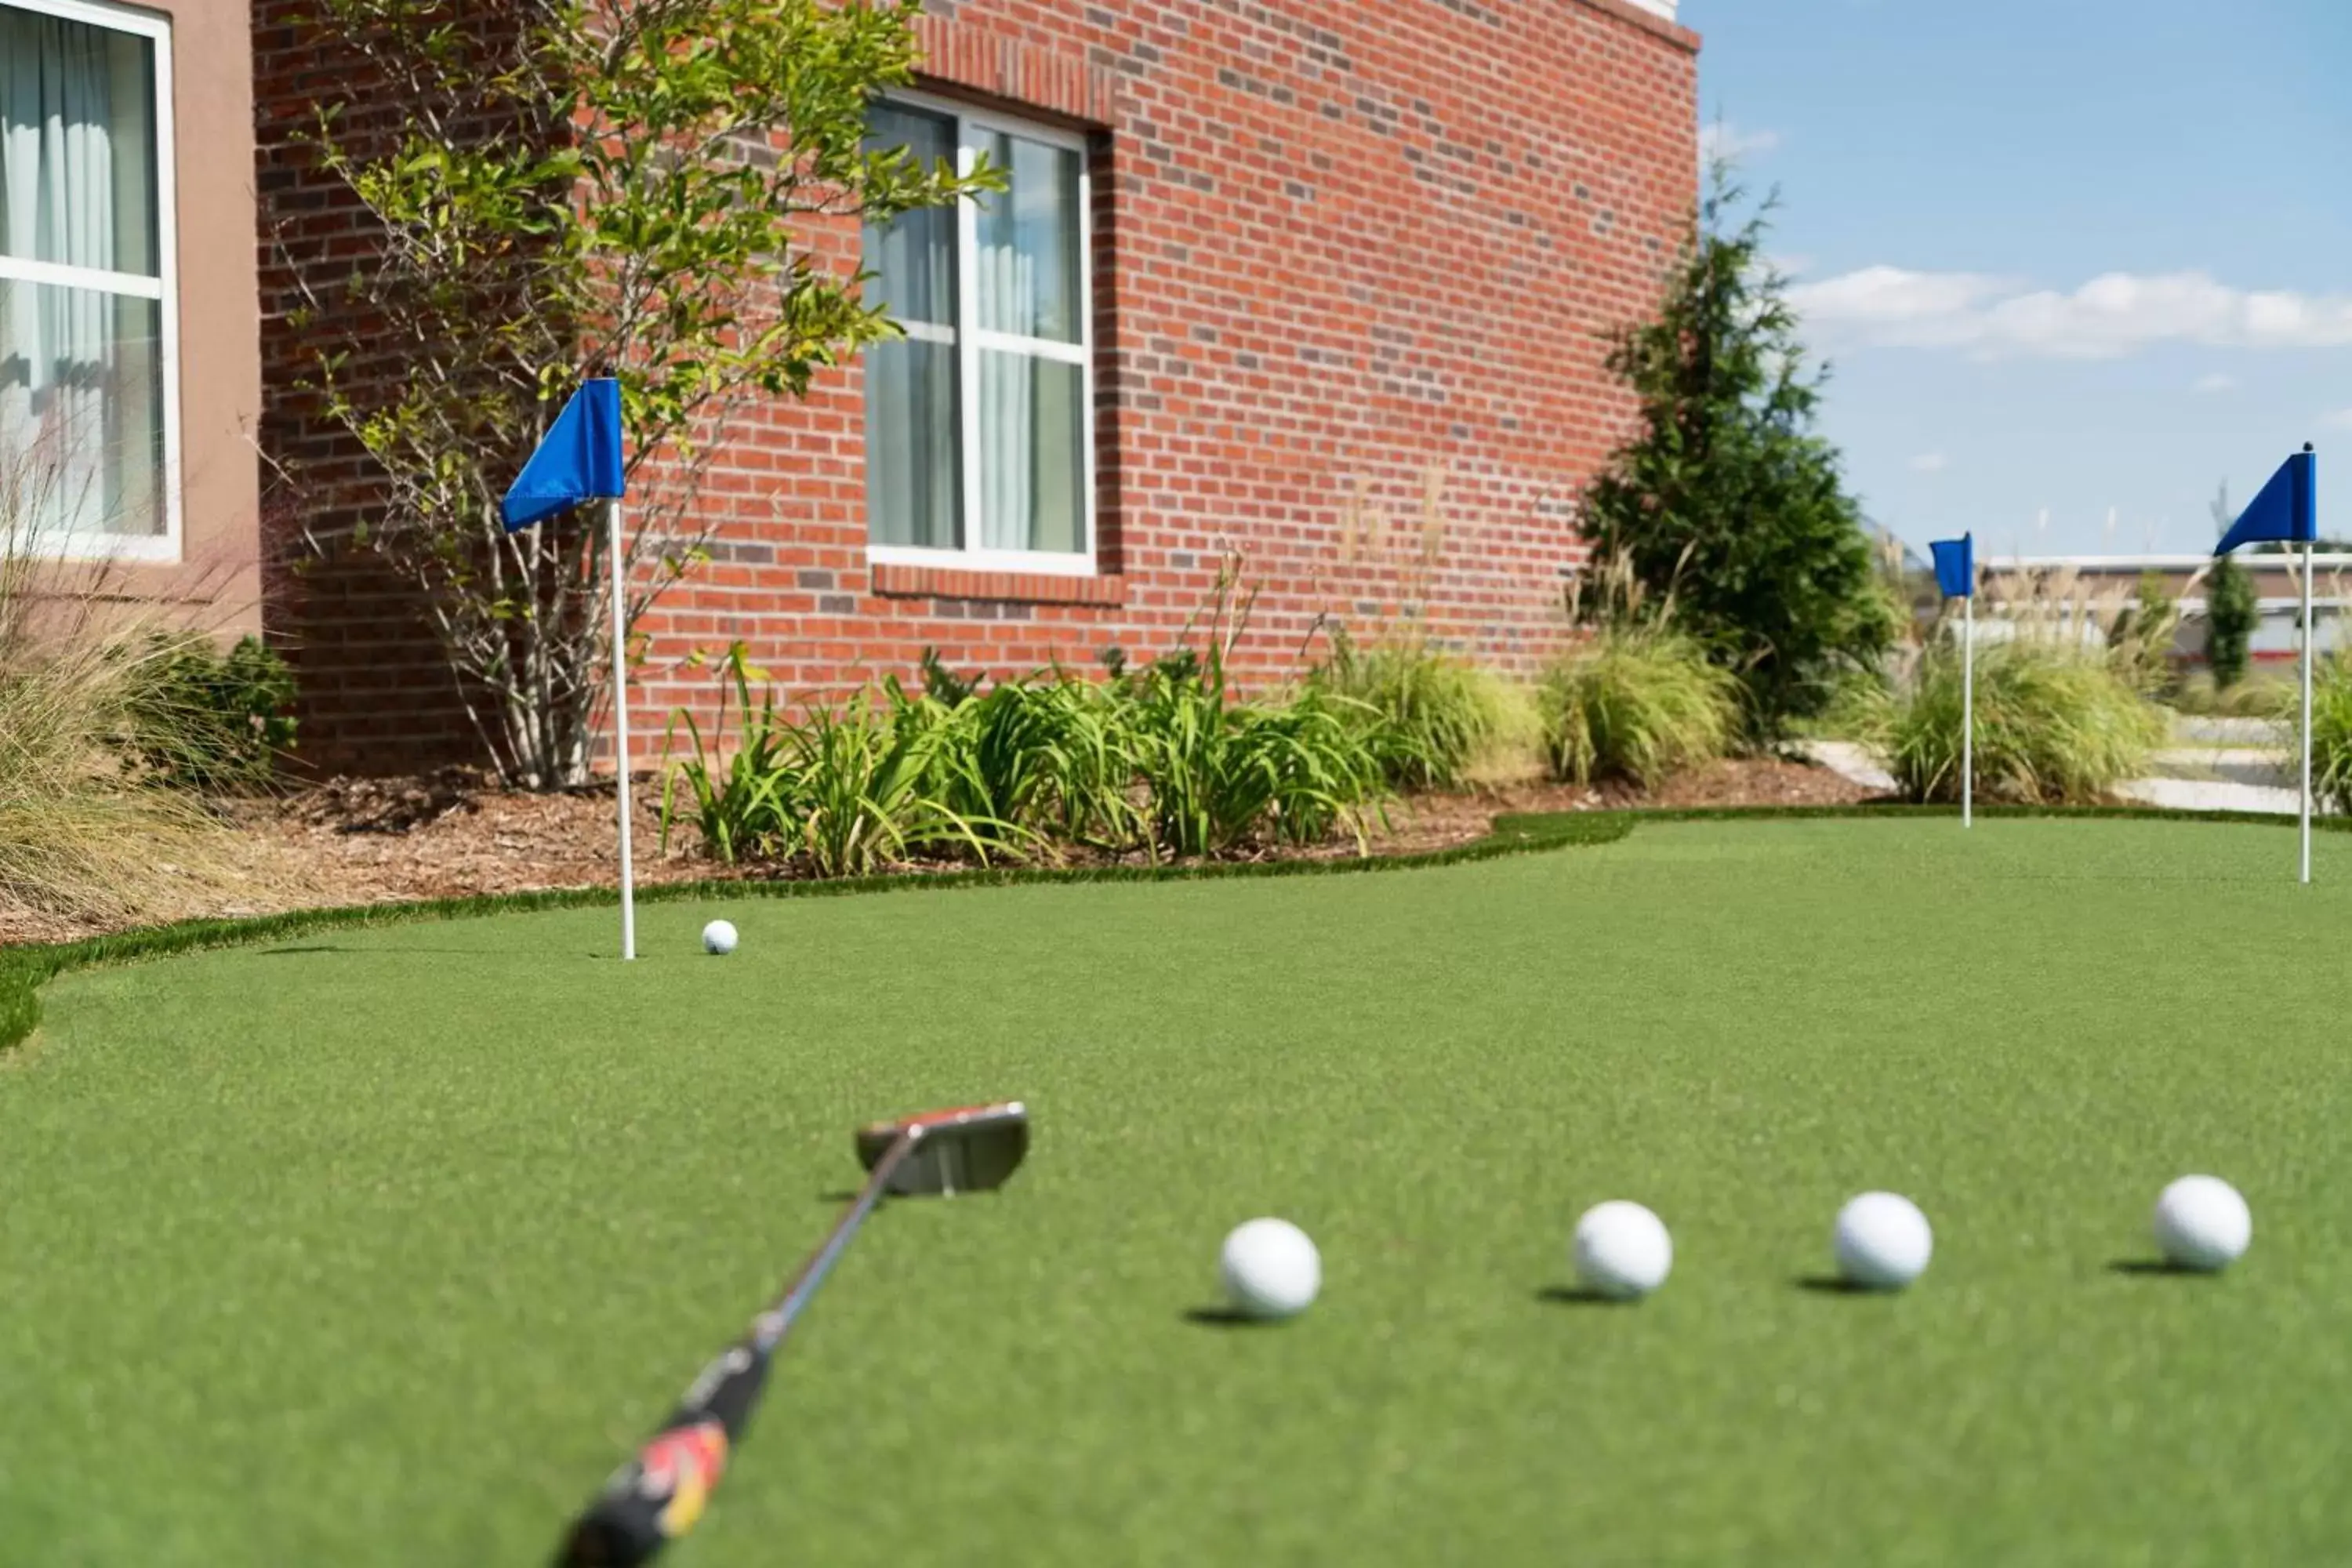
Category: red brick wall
<point>376,694</point>
<point>1338,249</point>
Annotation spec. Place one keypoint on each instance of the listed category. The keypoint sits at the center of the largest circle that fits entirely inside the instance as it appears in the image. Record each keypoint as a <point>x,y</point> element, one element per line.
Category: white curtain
<point>910,443</point>
<point>1007,403</point>
<point>910,413</point>
<point>1029,415</point>
<point>72,426</point>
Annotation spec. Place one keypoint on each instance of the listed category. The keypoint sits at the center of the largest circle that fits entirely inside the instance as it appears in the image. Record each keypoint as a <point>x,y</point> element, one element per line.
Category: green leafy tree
<point>622,186</point>
<point>2232,608</point>
<point>1725,498</point>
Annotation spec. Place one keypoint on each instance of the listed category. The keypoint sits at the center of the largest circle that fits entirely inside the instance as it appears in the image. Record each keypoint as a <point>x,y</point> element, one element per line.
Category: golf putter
<point>660,1494</point>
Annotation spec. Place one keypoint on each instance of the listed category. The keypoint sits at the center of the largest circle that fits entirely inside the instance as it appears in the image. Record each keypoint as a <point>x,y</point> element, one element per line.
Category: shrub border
<point>24,970</point>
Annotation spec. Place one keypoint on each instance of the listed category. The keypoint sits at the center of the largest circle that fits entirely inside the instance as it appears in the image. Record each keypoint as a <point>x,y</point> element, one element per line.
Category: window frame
<point>969,341</point>
<point>163,288</point>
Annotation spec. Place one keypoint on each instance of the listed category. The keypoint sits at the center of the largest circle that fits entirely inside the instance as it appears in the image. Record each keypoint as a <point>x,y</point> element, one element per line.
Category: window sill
<point>897,580</point>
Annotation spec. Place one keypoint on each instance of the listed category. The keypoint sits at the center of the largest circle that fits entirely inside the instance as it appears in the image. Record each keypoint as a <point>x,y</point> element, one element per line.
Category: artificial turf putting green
<point>385,1246</point>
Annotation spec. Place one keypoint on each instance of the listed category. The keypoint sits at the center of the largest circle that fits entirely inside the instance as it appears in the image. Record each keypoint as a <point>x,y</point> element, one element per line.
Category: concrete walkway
<point>2231,764</point>
<point>2212,795</point>
<point>1848,760</point>
<point>2228,732</point>
<point>2234,778</point>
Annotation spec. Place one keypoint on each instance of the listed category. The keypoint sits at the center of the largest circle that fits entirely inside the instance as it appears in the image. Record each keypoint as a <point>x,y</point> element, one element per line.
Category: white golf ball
<point>719,937</point>
<point>1622,1250</point>
<point>2202,1223</point>
<point>1271,1270</point>
<point>1882,1241</point>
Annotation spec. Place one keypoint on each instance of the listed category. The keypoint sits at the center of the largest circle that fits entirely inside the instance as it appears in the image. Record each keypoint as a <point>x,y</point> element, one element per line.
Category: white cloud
<point>1891,301</point>
<point>2110,316</point>
<point>2216,382</point>
<point>2339,420</point>
<point>1929,463</point>
<point>1725,139</point>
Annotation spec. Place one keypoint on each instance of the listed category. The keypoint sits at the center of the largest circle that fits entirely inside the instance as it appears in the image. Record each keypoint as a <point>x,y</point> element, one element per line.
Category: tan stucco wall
<point>219,575</point>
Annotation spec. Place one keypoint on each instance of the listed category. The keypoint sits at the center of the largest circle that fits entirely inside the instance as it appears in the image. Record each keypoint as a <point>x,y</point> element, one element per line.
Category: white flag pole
<point>2309,636</point>
<point>1969,707</point>
<point>620,730</point>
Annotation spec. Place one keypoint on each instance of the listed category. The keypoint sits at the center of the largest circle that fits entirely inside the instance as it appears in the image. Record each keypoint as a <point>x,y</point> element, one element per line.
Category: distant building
<point>1888,542</point>
<point>2101,577</point>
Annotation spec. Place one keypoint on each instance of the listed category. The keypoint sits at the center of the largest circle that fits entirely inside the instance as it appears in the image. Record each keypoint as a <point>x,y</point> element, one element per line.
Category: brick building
<point>1323,285</point>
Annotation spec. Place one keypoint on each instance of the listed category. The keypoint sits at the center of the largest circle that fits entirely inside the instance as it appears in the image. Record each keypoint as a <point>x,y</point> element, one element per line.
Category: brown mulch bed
<point>451,834</point>
<point>454,835</point>
<point>1438,822</point>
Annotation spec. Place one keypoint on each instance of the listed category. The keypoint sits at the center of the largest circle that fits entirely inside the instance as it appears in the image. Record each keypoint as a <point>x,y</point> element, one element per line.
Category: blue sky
<point>2080,258</point>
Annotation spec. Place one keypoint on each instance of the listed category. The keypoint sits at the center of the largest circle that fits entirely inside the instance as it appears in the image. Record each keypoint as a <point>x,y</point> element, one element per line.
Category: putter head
<point>966,1150</point>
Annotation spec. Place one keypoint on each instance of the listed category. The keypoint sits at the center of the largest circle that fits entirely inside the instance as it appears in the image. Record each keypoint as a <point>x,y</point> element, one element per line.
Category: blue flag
<point>2288,508</point>
<point>580,460</point>
<point>1955,566</point>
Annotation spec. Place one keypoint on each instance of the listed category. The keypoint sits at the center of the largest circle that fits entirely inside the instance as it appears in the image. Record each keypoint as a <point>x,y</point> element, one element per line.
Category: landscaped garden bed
<point>456,834</point>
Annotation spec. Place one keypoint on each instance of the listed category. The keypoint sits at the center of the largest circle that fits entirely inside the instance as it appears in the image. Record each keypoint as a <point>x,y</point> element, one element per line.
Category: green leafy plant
<point>1053,756</point>
<point>640,185</point>
<point>203,720</point>
<point>1637,702</point>
<point>846,791</point>
<point>1431,718</point>
<point>2055,725</point>
<point>2331,731</point>
<point>860,798</point>
<point>738,797</point>
<point>1725,496</point>
<point>1162,760</point>
<point>1219,773</point>
<point>945,684</point>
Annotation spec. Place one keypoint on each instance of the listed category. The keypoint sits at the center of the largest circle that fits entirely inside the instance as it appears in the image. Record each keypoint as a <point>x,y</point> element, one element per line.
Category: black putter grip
<point>659,1495</point>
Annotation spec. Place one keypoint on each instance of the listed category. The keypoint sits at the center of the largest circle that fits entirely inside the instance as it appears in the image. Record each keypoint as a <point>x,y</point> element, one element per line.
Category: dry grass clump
<point>85,838</point>
<point>1636,698</point>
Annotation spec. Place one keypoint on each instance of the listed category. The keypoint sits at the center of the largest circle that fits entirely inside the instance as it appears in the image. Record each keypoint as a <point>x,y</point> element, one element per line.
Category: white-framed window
<point>980,425</point>
<point>88,319</point>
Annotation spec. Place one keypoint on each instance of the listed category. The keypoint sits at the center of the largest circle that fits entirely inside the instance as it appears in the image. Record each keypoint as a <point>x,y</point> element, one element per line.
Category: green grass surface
<point>383,1245</point>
